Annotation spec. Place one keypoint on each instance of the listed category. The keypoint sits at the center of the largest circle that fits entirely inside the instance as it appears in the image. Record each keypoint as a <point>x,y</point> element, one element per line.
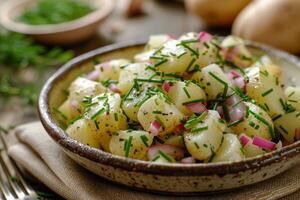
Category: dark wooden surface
<point>159,16</point>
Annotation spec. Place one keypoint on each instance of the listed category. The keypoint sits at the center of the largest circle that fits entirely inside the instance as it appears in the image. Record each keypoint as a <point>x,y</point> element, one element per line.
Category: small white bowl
<point>63,33</point>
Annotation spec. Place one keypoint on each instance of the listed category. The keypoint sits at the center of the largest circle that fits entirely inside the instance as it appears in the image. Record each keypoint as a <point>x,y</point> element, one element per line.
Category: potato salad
<point>193,99</point>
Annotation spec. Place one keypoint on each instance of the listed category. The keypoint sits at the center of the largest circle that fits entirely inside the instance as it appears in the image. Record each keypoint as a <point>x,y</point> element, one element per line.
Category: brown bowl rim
<point>129,164</point>
<point>91,18</point>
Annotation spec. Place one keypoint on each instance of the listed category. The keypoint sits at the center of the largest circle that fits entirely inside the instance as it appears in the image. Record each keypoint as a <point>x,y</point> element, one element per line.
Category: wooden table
<point>159,17</point>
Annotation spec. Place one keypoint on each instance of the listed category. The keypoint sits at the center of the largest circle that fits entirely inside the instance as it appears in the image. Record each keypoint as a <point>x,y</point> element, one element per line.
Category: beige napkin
<point>43,158</point>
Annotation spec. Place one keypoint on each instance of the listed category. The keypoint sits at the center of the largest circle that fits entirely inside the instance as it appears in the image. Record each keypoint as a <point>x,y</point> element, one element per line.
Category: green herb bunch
<point>55,12</point>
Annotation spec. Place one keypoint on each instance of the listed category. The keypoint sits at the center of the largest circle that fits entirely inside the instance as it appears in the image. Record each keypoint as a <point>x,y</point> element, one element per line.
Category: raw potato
<point>140,143</point>
<point>292,95</point>
<point>179,97</point>
<point>131,72</point>
<point>216,12</point>
<point>265,87</point>
<point>287,125</point>
<point>253,126</point>
<point>108,116</point>
<point>274,22</point>
<point>209,80</point>
<point>203,144</point>
<point>83,130</point>
<point>170,116</point>
<point>82,87</point>
<point>230,150</point>
<point>110,70</point>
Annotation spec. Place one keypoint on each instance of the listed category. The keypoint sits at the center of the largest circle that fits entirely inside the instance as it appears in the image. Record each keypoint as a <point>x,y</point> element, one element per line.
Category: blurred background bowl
<point>58,34</point>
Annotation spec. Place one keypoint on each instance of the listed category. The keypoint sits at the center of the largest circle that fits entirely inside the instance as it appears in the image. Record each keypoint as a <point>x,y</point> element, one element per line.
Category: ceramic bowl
<point>164,178</point>
<point>63,33</point>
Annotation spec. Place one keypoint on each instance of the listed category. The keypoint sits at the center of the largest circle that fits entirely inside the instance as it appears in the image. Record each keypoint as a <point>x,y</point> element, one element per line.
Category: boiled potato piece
<point>216,83</point>
<point>265,87</point>
<point>110,70</point>
<point>138,143</point>
<point>292,95</point>
<point>234,50</point>
<point>216,12</point>
<point>205,137</point>
<point>84,130</point>
<point>82,87</point>
<point>156,41</point>
<point>132,103</point>
<point>183,93</point>
<point>143,57</point>
<point>287,125</point>
<point>164,158</point>
<point>157,108</point>
<point>132,72</point>
<point>251,150</point>
<point>273,22</point>
<point>175,140</point>
<point>107,116</point>
<point>70,109</point>
<point>230,150</point>
<point>256,123</point>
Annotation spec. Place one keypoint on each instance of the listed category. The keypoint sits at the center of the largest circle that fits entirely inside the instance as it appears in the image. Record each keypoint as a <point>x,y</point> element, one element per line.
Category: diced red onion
<point>234,74</point>
<point>114,88</point>
<point>188,160</point>
<point>196,107</point>
<point>173,151</point>
<point>263,143</point>
<point>240,82</point>
<point>171,37</point>
<point>244,139</point>
<point>220,111</point>
<point>204,37</point>
<point>297,133</point>
<point>236,108</point>
<point>154,128</point>
<point>166,86</point>
<point>179,129</point>
<point>93,76</point>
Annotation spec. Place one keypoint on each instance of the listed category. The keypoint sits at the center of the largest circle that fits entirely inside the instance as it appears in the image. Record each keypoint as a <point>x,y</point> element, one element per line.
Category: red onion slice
<point>196,107</point>
<point>173,151</point>
<point>114,88</point>
<point>166,86</point>
<point>154,128</point>
<point>297,133</point>
<point>93,76</point>
<point>204,37</point>
<point>179,129</point>
<point>263,143</point>
<point>236,108</point>
<point>244,139</point>
<point>188,160</point>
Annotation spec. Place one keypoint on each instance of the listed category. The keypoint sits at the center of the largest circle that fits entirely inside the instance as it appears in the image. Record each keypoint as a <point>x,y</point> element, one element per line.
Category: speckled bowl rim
<point>99,156</point>
<point>91,18</point>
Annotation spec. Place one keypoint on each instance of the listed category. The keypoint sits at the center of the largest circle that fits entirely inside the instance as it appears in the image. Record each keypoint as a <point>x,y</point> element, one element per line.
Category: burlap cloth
<point>36,152</point>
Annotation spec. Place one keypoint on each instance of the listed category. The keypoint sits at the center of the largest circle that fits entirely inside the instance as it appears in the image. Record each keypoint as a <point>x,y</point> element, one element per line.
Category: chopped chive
<point>190,65</point>
<point>291,94</point>
<point>283,129</point>
<point>235,123</point>
<point>76,119</point>
<point>159,121</point>
<point>267,92</point>
<point>226,112</point>
<point>116,116</point>
<point>193,121</point>
<point>194,130</point>
<point>271,131</point>
<point>96,124</point>
<point>282,103</point>
<point>156,57</point>
<point>206,45</point>
<point>298,114</point>
<point>267,107</point>
<point>277,80</point>
<point>252,124</point>
<point>158,50</point>
<point>276,117</point>
<point>194,52</point>
<point>156,158</point>
<point>149,80</point>
<point>193,101</point>
<point>179,56</point>
<point>196,144</point>
<point>265,73</point>
<point>165,156</point>
<point>186,92</point>
<point>247,111</point>
<point>189,41</point>
<point>293,101</point>
<point>99,112</point>
<point>144,140</point>
<point>142,101</point>
<point>221,81</point>
<point>60,113</point>
<point>160,62</point>
<point>156,112</point>
<point>127,146</point>
<point>151,68</point>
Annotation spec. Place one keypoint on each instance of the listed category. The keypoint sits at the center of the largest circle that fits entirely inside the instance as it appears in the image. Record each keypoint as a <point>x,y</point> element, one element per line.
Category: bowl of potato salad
<point>197,113</point>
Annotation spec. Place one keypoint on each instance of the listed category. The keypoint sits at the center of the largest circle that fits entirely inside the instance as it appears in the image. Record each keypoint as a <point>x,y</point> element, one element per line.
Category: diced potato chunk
<point>110,70</point>
<point>292,95</point>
